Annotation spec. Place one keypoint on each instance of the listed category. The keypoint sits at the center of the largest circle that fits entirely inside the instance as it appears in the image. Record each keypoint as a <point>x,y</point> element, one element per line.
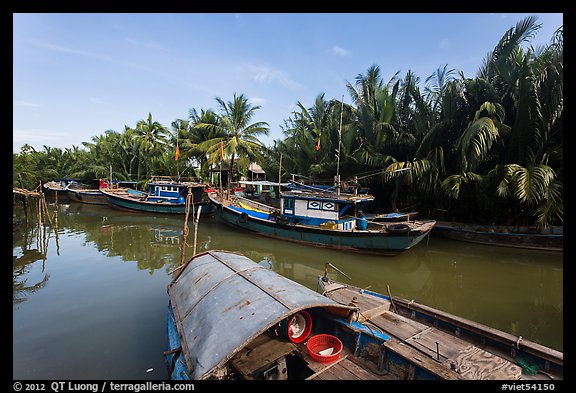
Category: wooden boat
<point>91,196</point>
<point>57,189</point>
<point>164,196</point>
<point>551,239</point>
<point>230,318</point>
<point>322,218</point>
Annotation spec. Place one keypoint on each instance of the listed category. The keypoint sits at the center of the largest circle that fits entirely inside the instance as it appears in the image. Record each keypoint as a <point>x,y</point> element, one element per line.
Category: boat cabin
<point>170,191</point>
<point>325,209</point>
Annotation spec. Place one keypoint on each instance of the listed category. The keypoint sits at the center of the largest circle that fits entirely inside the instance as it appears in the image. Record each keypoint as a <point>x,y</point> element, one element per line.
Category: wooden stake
<point>196,228</point>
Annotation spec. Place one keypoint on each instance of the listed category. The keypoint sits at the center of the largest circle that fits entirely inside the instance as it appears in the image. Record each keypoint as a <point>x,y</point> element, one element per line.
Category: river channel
<point>90,301</point>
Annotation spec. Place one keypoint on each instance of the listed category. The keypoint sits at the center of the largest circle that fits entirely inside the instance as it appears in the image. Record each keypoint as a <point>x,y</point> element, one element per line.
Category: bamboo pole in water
<point>185,234</point>
<point>196,228</point>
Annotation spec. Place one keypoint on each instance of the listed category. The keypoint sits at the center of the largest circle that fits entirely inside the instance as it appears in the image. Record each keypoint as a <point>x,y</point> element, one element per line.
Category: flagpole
<point>338,150</point>
<point>177,156</point>
<point>220,175</point>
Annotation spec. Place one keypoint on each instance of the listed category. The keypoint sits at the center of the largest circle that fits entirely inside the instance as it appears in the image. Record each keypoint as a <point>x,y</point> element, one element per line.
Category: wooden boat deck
<point>267,348</point>
<point>427,344</point>
<point>350,368</point>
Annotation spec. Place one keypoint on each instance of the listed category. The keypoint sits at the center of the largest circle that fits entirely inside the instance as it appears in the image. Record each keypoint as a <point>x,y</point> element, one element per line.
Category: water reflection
<point>21,287</point>
<point>111,269</point>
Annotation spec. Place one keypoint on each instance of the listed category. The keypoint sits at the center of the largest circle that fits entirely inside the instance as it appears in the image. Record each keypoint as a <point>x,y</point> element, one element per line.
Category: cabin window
<point>318,205</point>
<point>328,206</point>
<point>289,205</point>
<point>314,205</point>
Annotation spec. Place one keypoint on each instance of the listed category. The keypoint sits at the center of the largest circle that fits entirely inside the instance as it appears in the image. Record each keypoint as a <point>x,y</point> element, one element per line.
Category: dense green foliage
<point>486,149</point>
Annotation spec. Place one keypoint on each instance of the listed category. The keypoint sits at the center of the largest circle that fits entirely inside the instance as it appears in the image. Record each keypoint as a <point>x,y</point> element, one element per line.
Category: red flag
<point>221,150</point>
<point>318,144</point>
<point>177,153</point>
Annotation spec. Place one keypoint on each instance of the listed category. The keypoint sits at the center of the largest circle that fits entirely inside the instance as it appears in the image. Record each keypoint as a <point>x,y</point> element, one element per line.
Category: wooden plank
<point>449,346</point>
<point>338,372</point>
<point>421,360</point>
<point>398,325</point>
<point>373,312</point>
<point>483,330</point>
<point>360,371</point>
<point>262,351</point>
<point>345,295</point>
<point>333,286</point>
<point>315,366</point>
<point>475,363</point>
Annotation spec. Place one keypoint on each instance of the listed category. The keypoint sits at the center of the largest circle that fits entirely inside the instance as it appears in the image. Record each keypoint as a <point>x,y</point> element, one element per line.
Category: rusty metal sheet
<point>223,300</point>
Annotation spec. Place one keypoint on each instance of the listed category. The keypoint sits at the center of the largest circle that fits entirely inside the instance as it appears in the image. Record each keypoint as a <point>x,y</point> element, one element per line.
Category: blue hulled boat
<point>323,218</point>
<point>230,318</point>
<point>164,196</point>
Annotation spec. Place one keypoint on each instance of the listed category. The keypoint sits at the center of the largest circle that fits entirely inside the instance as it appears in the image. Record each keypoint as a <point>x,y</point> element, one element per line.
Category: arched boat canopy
<point>223,300</point>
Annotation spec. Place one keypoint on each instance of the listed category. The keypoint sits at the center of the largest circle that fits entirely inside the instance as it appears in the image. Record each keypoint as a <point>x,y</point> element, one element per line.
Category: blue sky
<point>77,75</point>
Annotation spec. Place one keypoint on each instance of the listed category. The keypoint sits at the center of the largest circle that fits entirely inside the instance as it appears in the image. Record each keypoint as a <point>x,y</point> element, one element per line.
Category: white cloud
<point>258,100</point>
<point>145,44</point>
<point>26,104</point>
<point>445,44</point>
<point>265,74</point>
<point>36,138</point>
<point>341,51</point>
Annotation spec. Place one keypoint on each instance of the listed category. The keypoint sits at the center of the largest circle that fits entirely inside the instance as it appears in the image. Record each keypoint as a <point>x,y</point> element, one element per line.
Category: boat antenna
<point>337,179</point>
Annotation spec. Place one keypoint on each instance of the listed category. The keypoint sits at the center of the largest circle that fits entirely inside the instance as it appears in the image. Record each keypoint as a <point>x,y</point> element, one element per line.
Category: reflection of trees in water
<point>20,287</point>
<point>21,265</point>
<point>29,235</point>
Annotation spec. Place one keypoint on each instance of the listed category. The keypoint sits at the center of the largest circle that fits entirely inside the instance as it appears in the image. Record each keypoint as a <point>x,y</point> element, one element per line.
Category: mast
<point>337,178</point>
<point>279,176</point>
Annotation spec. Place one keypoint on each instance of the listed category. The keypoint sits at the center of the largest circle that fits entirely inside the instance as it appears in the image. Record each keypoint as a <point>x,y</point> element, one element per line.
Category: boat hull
<point>500,236</point>
<point>366,241</point>
<point>135,205</point>
<point>91,197</point>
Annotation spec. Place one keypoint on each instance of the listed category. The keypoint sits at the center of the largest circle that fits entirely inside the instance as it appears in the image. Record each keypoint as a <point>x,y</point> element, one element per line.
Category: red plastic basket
<point>321,342</point>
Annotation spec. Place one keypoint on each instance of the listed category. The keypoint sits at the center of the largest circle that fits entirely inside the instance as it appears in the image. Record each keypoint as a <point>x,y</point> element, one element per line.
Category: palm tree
<point>152,135</point>
<point>152,138</point>
<point>197,135</point>
<point>234,130</point>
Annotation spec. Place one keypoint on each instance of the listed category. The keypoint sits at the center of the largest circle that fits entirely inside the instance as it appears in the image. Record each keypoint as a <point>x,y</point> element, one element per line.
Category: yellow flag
<point>177,153</point>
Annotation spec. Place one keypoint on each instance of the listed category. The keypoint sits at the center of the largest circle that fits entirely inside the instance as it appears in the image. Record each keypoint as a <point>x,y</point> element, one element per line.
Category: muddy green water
<point>91,302</point>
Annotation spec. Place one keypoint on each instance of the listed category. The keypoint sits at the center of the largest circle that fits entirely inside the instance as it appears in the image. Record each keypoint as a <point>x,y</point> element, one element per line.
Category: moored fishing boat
<point>283,330</point>
<point>57,190</point>
<point>550,239</point>
<point>91,196</point>
<point>164,196</point>
<point>322,218</point>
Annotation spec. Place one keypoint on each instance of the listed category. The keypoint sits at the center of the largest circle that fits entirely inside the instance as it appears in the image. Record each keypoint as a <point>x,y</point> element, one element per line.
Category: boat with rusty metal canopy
<point>230,318</point>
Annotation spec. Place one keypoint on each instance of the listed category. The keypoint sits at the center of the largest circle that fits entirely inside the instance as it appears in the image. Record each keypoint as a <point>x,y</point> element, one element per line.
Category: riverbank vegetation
<point>484,149</point>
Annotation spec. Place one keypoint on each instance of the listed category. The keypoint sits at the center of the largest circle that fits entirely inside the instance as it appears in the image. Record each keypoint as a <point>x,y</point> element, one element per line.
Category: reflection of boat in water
<point>551,239</point>
<point>166,235</point>
<point>374,336</point>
